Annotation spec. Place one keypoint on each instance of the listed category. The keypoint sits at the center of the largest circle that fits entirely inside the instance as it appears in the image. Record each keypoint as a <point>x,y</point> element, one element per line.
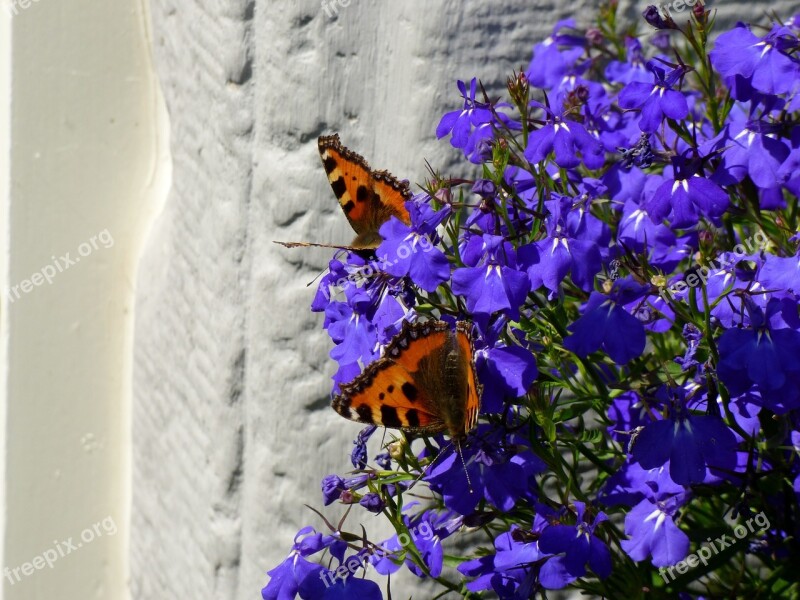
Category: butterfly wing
<point>368,198</point>
<point>425,383</point>
<point>474,388</point>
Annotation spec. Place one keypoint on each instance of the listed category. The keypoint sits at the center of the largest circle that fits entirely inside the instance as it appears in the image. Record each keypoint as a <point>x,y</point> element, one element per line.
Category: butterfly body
<point>425,383</point>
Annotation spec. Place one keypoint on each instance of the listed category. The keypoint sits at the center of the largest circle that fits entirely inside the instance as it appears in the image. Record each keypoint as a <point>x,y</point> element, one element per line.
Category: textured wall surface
<point>231,426</point>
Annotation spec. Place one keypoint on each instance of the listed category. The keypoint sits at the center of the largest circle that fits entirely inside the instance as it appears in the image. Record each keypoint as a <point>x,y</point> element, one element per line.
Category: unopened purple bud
<point>332,488</point>
<point>594,36</point>
<point>484,188</point>
<point>372,502</point>
<point>653,17</point>
<point>699,11</point>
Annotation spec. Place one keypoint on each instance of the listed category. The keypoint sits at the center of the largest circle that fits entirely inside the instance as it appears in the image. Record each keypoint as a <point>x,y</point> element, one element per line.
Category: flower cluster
<point>627,253</point>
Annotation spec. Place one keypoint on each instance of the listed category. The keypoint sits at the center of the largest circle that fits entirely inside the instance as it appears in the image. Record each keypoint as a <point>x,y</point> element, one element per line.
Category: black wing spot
<point>330,164</point>
<point>412,417</point>
<point>362,193</point>
<point>349,206</point>
<point>339,187</point>
<point>389,417</point>
<point>364,413</point>
<point>409,391</point>
<point>390,389</point>
<point>381,396</point>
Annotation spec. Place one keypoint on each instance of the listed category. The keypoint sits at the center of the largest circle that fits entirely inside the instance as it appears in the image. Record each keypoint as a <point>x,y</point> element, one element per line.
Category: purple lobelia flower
<point>340,583</point>
<point>506,372</point>
<point>426,532</point>
<point>355,338</point>
<point>605,324</point>
<point>494,214</point>
<point>780,273</point>
<point>410,251</point>
<point>638,233</point>
<point>763,62</point>
<point>658,99</point>
<point>288,578</point>
<point>511,571</point>
<point>556,58</point>
<point>459,123</point>
<point>576,546</point>
<point>349,588</point>
<point>499,471</point>
<point>651,530</point>
<point>285,579</point>
<point>384,460</point>
<point>559,71</point>
<point>730,278</point>
<point>633,69</point>
<point>626,412</point>
<point>494,284</point>
<point>567,137</point>
<point>686,196</point>
<point>751,148</point>
<point>763,356</point>
<point>567,248</point>
<point>691,443</point>
<point>631,484</point>
<point>472,127</point>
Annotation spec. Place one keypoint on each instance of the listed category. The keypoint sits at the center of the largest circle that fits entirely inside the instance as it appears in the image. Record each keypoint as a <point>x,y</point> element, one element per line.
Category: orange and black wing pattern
<point>368,198</point>
<point>474,388</point>
<point>425,383</point>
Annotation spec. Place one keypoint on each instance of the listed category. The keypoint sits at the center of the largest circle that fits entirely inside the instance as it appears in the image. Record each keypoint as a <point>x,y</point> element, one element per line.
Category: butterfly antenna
<point>429,465</point>
<point>464,464</point>
<point>321,273</point>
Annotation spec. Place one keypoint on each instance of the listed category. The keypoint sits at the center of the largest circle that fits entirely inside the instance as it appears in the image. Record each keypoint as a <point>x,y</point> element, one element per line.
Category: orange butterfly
<point>368,198</point>
<point>425,383</point>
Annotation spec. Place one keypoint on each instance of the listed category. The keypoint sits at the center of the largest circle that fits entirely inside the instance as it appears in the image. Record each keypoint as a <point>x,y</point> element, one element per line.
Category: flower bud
<point>397,450</point>
<point>653,17</point>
